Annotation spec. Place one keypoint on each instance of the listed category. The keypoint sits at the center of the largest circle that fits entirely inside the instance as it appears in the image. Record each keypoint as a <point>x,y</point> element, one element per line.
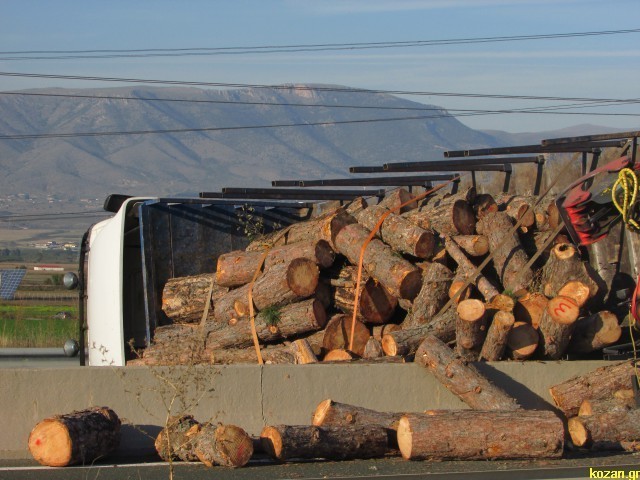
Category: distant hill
<point>530,138</point>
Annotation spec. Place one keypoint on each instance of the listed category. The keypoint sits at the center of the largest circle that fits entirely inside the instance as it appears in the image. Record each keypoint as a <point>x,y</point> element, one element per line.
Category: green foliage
<point>251,225</point>
<point>271,316</point>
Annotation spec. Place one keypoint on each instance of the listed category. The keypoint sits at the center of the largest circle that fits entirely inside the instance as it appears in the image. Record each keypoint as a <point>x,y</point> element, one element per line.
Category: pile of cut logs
<point>301,283</point>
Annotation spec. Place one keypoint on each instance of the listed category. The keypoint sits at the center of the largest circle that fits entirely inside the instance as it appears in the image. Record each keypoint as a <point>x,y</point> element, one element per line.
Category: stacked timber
<point>370,282</point>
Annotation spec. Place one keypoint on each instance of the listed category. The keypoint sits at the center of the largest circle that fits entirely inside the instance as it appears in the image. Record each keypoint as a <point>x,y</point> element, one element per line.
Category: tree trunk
<point>376,304</point>
<point>466,268</point>
<point>461,379</point>
<point>333,443</point>
<point>373,349</point>
<point>477,435</point>
<point>564,264</point>
<point>518,207</point>
<point>394,199</point>
<point>522,341</point>
<point>433,295</point>
<point>495,343</point>
<point>460,282</point>
<point>337,335</point>
<point>184,298</point>
<point>557,325</point>
<point>303,352</point>
<point>613,430</point>
<point>471,328</point>
<point>78,437</point>
<point>510,259</point>
<point>176,440</point>
<point>407,341</point>
<point>400,234</point>
<point>448,216</point>
<point>595,332</point>
<point>400,277</point>
<point>318,251</point>
<point>238,267</point>
<point>594,385</point>
<point>598,407</point>
<point>474,245</point>
<point>529,308</point>
<point>380,331</point>
<point>225,445</point>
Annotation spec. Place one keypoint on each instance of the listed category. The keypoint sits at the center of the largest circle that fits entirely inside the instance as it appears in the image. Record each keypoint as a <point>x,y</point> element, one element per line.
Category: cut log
<point>184,298</point>
<point>319,252</point>
<point>576,291</point>
<point>303,352</point>
<point>78,437</point>
<point>484,203</point>
<point>594,385</point>
<point>400,234</point>
<point>475,435</point>
<point>447,216</point>
<point>466,268</point>
<point>336,414</point>
<point>284,442</point>
<point>474,245</point>
<point>176,440</point>
<point>495,343</point>
<point>380,331</point>
<point>407,341</point>
<point>518,207</point>
<point>338,355</point>
<point>501,302</point>
<point>460,282</point>
<point>237,268</point>
<point>471,328</point>
<point>523,340</point>
<point>613,430</point>
<point>373,349</point>
<point>433,295</point>
<point>529,308</point>
<point>337,335</point>
<point>399,276</point>
<point>376,304</point>
<point>461,379</point>
<point>564,264</point>
<point>226,445</point>
<point>598,407</point>
<point>510,259</point>
<point>595,332</point>
<point>394,199</point>
<point>557,325</point>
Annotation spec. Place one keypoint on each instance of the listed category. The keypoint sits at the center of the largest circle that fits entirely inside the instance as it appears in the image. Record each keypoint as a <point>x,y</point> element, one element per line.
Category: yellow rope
<point>628,182</point>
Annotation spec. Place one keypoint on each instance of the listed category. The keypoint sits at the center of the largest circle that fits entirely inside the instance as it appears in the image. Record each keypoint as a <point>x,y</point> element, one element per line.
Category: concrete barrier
<point>246,395</point>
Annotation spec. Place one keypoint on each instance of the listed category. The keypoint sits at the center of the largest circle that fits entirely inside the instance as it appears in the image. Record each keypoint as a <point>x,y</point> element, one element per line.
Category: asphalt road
<point>627,465</point>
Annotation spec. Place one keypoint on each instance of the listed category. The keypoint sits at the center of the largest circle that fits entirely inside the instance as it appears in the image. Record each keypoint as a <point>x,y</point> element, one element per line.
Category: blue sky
<point>589,67</point>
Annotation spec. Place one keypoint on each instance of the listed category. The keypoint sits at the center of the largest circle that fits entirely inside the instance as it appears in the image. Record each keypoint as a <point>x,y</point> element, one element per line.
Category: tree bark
<point>393,200</point>
<point>337,335</point>
<point>303,352</point>
<point>407,341</point>
<point>613,430</point>
<point>461,379</point>
<point>529,308</point>
<point>471,328</point>
<point>518,207</point>
<point>598,407</point>
<point>495,343</point>
<point>184,298</point>
<point>376,303</point>
<point>474,245</point>
<point>226,445</point>
<point>373,349</point>
<point>434,294</point>
<point>318,251</point>
<point>466,268</point>
<point>238,267</point>
<point>400,234</point>
<point>336,414</point>
<point>176,440</point>
<point>78,437</point>
<point>595,332</point>
<point>522,341</point>
<point>448,216</point>
<point>557,325</point>
<point>564,264</point>
<point>510,259</point>
<point>283,442</point>
<point>484,203</point>
<point>594,385</point>
<point>460,282</point>
<point>380,331</point>
<point>400,277</point>
<point>476,435</point>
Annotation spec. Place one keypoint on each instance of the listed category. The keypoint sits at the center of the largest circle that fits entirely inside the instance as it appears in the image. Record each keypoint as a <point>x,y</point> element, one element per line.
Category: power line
<point>310,88</point>
<point>208,51</point>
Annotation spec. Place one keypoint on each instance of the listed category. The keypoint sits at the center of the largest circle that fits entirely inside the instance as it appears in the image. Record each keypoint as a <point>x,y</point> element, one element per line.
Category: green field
<point>37,325</point>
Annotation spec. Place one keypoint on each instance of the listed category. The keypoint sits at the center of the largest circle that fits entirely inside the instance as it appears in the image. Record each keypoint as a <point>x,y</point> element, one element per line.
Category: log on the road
<point>397,232</point>
<point>336,414</point>
<point>400,277</point>
<point>594,385</point>
<point>337,335</point>
<point>565,264</point>
<point>176,440</point>
<point>495,342</point>
<point>226,445</point>
<point>78,437</point>
<point>615,402</point>
<point>522,341</point>
<point>406,341</point>
<point>556,326</point>
<point>184,298</point>
<point>509,259</point>
<point>286,442</point>
<point>617,429</point>
<point>433,295</point>
<point>461,379</point>
<point>595,332</point>
<point>475,435</point>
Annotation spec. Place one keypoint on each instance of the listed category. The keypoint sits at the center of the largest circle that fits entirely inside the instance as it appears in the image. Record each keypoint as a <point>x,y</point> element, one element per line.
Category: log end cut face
<point>302,277</point>
<point>578,432</point>
<point>271,441</point>
<point>321,412</point>
<point>50,444</point>
<point>411,284</point>
<point>464,218</point>
<point>405,438</point>
<point>235,447</point>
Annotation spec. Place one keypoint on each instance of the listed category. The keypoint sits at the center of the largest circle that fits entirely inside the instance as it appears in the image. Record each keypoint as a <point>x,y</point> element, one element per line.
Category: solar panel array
<point>10,281</point>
